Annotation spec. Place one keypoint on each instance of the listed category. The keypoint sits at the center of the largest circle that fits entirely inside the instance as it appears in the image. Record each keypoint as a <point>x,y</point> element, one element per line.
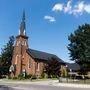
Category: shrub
<point>33,77</point>
<point>9,77</point>
<point>28,76</point>
<point>20,76</point>
<point>54,76</point>
<point>42,75</point>
<point>14,78</point>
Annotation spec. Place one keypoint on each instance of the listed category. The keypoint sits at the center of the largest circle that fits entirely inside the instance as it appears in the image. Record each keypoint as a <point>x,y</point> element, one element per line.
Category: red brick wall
<point>24,60</point>
<point>19,54</point>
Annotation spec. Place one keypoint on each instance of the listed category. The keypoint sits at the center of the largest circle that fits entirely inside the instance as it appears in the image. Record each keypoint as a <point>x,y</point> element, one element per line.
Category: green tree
<point>79,46</point>
<point>6,56</point>
<point>53,67</point>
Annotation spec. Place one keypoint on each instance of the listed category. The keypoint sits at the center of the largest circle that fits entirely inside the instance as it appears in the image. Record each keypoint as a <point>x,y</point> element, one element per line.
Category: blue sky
<point>48,22</point>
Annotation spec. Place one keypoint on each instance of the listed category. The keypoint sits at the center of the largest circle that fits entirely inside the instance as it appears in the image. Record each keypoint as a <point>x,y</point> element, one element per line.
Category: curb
<point>71,85</point>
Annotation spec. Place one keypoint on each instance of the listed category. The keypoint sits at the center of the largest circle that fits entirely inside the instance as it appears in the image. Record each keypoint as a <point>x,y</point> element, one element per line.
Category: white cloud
<point>50,18</point>
<point>68,7</point>
<point>87,8</point>
<point>58,7</point>
<point>77,8</point>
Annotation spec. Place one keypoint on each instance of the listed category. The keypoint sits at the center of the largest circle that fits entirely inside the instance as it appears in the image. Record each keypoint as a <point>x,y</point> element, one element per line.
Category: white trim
<point>24,32</point>
<point>19,31</point>
<point>25,43</point>
<point>28,63</point>
<point>17,43</point>
<point>22,42</point>
<point>23,56</point>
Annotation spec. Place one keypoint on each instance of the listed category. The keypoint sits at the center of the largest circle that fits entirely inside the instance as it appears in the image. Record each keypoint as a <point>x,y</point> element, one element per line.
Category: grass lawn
<point>83,81</point>
<point>63,81</point>
<point>33,80</point>
<point>75,81</point>
<point>79,81</point>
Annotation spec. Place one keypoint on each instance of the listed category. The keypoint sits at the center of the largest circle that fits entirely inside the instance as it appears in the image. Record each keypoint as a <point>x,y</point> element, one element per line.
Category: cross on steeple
<point>22,27</point>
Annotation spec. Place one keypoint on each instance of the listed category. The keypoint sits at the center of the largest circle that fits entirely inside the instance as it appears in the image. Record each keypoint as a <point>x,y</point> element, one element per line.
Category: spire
<point>22,27</point>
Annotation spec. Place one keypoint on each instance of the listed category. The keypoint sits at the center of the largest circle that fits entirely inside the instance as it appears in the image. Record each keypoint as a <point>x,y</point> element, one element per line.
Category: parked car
<point>79,77</point>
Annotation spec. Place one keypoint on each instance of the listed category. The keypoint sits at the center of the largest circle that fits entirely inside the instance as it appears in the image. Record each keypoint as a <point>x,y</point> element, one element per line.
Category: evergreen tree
<point>6,56</point>
<point>79,46</point>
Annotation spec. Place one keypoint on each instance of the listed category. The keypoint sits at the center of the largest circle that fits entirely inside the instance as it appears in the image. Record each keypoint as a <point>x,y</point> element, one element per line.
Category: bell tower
<point>20,47</point>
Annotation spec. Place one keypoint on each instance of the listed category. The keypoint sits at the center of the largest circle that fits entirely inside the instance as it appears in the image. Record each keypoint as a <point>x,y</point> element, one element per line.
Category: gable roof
<point>42,55</point>
<point>73,66</point>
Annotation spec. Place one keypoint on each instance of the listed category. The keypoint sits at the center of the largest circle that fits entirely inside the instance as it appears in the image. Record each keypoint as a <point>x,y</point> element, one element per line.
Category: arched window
<point>25,43</point>
<point>22,42</point>
<point>29,62</point>
<point>37,66</point>
<point>17,43</point>
<point>16,60</point>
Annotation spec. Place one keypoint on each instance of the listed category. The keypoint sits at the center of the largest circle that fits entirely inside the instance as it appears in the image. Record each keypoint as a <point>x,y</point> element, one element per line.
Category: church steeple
<point>22,30</point>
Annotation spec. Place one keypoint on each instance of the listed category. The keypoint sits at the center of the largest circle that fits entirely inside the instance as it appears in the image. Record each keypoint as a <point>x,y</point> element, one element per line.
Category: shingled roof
<point>73,66</point>
<point>42,55</point>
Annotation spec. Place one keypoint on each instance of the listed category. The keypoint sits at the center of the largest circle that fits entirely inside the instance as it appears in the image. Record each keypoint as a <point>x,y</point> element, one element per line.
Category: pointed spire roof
<point>22,27</point>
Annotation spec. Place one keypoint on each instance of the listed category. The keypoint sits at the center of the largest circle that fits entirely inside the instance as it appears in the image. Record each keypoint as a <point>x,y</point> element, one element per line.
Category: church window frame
<point>38,66</point>
<point>16,59</point>
<point>29,63</point>
<point>23,43</point>
<point>17,43</point>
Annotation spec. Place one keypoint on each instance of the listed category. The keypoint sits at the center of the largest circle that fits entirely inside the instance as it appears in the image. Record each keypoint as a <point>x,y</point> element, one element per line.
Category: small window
<point>17,43</point>
<point>29,63</point>
<point>25,44</point>
<point>37,66</point>
<point>23,56</point>
<point>22,42</point>
<point>16,60</point>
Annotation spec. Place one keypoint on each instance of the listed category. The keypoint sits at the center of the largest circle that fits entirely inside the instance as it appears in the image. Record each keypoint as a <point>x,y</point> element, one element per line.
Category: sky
<point>48,22</point>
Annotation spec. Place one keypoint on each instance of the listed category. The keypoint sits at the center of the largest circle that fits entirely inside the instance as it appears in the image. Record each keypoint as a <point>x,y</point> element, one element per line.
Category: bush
<point>20,76</point>
<point>54,76</point>
<point>9,77</point>
<point>33,77</point>
<point>42,75</point>
<point>15,78</point>
<point>28,76</point>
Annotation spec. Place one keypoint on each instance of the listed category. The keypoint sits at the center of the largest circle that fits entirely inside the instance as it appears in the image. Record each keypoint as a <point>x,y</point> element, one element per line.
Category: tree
<point>6,56</point>
<point>53,67</point>
<point>79,46</point>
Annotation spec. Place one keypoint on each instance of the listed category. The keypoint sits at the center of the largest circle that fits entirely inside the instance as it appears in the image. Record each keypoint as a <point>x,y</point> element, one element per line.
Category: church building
<point>28,60</point>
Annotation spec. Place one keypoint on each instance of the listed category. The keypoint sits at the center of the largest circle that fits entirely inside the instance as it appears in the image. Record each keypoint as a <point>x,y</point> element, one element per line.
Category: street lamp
<point>12,69</point>
<point>66,73</point>
<point>70,73</point>
<point>24,73</point>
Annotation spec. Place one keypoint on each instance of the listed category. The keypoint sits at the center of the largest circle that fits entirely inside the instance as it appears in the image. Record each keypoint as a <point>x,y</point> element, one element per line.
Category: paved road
<point>5,87</point>
<point>16,86</point>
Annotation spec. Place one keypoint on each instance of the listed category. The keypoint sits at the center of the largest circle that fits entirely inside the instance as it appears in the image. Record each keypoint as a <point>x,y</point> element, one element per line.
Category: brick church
<point>26,59</point>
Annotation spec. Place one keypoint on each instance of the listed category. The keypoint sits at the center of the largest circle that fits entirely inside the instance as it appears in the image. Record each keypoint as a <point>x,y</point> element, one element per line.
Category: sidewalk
<point>56,83</point>
<point>71,85</point>
<point>50,83</point>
